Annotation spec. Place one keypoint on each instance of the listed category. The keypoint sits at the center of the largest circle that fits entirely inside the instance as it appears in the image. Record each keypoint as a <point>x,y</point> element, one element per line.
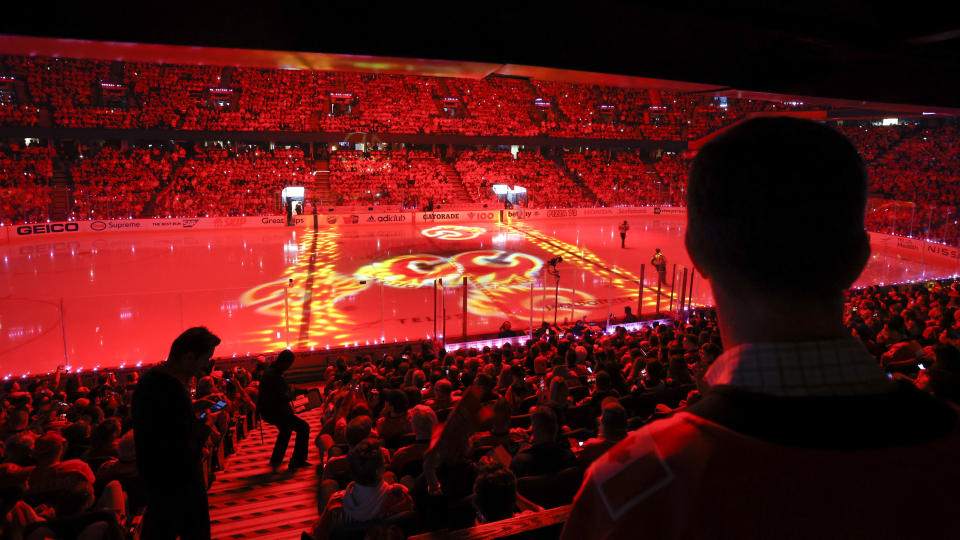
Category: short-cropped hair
<point>544,419</point>
<point>777,204</point>
<point>197,340</point>
<point>358,429</point>
<point>366,462</point>
<point>495,491</point>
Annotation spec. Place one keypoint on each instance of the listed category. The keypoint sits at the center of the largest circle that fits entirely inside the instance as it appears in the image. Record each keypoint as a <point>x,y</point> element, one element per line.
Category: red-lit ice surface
<point>121,299</point>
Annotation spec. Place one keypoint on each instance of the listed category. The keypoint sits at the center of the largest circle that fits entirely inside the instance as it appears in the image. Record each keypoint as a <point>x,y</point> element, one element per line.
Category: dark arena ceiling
<point>908,53</point>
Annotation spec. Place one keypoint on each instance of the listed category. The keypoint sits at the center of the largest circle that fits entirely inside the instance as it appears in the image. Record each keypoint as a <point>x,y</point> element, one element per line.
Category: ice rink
<point>121,298</point>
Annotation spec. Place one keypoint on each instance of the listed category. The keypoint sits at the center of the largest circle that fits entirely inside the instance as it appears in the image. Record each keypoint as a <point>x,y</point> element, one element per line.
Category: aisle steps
<point>247,500</point>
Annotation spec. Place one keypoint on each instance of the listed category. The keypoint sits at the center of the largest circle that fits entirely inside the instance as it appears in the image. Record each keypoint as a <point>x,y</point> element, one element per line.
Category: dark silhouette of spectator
<point>275,408</point>
<point>943,377</point>
<point>169,440</point>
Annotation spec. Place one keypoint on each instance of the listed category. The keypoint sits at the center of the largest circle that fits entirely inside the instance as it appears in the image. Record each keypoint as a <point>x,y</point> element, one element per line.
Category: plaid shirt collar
<point>810,368</point>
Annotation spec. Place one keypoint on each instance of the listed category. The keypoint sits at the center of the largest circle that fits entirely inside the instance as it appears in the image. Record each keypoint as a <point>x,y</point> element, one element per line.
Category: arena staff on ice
<point>799,434</point>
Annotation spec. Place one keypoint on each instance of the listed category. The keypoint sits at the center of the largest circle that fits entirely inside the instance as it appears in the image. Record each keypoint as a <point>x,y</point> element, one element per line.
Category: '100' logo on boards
<point>44,228</point>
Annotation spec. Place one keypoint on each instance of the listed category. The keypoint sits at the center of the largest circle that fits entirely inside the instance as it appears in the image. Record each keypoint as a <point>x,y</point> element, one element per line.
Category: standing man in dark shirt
<point>169,439</point>
<point>274,406</point>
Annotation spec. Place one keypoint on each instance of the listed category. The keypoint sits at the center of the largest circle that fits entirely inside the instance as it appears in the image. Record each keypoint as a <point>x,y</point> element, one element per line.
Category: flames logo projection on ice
<point>623,281</point>
<point>330,303</point>
<point>453,232</point>
<point>309,305</point>
<point>489,267</point>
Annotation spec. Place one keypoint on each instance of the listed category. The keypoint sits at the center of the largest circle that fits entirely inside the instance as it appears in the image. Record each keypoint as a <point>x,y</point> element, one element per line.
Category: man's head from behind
<point>357,430</point>
<point>494,492</point>
<point>423,420</point>
<point>544,423</point>
<point>366,463</point>
<point>776,208</point>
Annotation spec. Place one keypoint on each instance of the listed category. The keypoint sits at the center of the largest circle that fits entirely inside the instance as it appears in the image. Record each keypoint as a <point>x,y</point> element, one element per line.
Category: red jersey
<point>687,477</point>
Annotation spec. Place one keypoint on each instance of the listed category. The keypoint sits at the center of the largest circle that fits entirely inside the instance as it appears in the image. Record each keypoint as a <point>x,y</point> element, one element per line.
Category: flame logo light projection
<point>488,267</point>
<point>328,304</point>
<point>310,300</point>
<point>412,271</point>
<point>453,232</point>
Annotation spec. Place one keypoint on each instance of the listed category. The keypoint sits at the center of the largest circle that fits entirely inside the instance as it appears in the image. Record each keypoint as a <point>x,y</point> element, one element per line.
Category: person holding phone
<point>275,408</point>
<point>169,440</point>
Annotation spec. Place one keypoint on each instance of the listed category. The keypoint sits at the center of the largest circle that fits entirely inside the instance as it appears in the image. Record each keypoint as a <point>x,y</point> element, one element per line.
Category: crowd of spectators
<point>25,175</point>
<point>921,171</point>
<point>623,179</point>
<point>170,96</point>
<point>913,331</point>
<point>673,170</point>
<point>529,419</point>
<point>409,178</point>
<point>242,180</point>
<point>68,462</point>
<point>19,115</point>
<point>547,185</point>
<point>110,183</point>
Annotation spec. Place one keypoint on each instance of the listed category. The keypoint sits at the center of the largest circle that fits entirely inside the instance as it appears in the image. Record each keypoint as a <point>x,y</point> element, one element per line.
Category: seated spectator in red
<point>494,493</point>
<point>368,497</point>
<point>613,429</point>
<point>103,442</point>
<point>442,396</point>
<point>798,421</point>
<point>500,434</point>
<point>943,377</point>
<point>18,461</point>
<point>394,420</point>
<point>357,430</point>
<point>424,420</point>
<point>124,470</point>
<point>52,475</point>
<point>604,390</point>
<point>545,455</point>
<point>78,517</point>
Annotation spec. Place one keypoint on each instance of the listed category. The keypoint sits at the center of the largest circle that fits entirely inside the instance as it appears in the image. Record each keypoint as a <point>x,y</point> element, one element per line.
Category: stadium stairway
<point>453,177</point>
<point>247,500</point>
<point>586,193</point>
<point>61,194</point>
<point>321,181</point>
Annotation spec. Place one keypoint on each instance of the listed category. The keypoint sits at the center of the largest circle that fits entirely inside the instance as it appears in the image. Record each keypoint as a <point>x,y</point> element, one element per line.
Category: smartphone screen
<point>218,406</point>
